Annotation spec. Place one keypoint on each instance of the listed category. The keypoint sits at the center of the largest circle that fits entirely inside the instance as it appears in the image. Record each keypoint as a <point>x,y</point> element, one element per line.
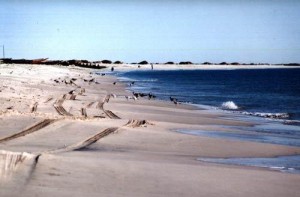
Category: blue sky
<point>157,31</point>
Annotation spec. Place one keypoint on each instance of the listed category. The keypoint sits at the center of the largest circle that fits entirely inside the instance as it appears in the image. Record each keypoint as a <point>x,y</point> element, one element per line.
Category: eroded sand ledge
<point>91,141</point>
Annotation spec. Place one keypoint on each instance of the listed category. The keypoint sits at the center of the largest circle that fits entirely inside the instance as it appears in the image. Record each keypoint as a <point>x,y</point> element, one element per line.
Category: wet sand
<point>85,138</point>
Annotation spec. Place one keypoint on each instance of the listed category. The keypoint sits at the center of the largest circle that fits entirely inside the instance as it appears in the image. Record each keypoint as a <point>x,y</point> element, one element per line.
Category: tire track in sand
<point>111,115</point>
<point>108,113</point>
<point>85,143</point>
<point>60,109</point>
<point>31,129</point>
<point>93,139</point>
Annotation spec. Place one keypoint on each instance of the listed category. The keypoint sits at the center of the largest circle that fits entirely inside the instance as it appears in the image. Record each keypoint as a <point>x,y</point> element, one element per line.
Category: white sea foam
<point>277,167</point>
<point>229,105</point>
<point>268,115</point>
<point>148,80</point>
<point>282,163</point>
<point>291,122</point>
<point>124,79</point>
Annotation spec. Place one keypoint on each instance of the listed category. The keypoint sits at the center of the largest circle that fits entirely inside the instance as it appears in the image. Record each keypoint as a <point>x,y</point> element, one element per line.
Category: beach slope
<point>66,131</point>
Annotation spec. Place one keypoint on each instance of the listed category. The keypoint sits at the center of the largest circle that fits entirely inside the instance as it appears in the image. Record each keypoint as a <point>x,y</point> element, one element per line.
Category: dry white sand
<point>192,66</point>
<point>81,145</point>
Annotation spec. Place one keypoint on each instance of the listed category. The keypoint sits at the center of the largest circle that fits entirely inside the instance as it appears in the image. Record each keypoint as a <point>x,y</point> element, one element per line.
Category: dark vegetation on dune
<point>102,64</point>
<point>169,63</point>
<point>118,62</point>
<point>143,62</point>
<point>79,63</point>
<point>106,62</point>
<point>185,63</point>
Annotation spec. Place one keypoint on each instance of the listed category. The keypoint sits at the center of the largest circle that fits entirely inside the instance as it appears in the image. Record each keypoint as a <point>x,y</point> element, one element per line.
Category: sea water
<point>289,164</point>
<point>269,97</point>
<point>272,93</point>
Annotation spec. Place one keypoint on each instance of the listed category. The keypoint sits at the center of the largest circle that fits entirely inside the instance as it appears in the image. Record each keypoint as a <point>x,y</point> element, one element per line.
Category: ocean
<point>271,93</point>
<point>268,97</point>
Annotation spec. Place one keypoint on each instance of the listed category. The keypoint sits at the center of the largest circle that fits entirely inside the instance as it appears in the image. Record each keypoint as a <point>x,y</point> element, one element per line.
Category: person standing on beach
<point>151,66</point>
<point>112,69</point>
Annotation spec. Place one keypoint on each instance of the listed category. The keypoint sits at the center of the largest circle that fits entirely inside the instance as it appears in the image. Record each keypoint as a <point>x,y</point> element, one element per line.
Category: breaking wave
<point>268,115</point>
<point>229,105</point>
<point>128,79</point>
<point>148,80</point>
<point>292,122</point>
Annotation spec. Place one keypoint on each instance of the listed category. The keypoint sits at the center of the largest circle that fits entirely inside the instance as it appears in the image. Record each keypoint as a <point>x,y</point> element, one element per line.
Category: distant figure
<point>152,66</point>
<point>112,69</point>
<point>136,94</point>
<point>172,99</point>
<point>151,96</point>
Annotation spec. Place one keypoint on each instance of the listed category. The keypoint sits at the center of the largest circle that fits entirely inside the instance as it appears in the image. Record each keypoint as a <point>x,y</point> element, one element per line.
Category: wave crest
<point>268,115</point>
<point>128,79</point>
<point>229,105</point>
<point>292,122</point>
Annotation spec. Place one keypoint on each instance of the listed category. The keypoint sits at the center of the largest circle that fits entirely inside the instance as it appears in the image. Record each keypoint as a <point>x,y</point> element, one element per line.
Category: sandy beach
<point>65,131</point>
<point>159,66</point>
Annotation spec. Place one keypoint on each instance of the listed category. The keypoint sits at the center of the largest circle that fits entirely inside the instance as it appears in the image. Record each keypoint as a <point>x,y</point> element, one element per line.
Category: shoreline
<point>278,117</point>
<point>260,162</point>
<point>124,67</point>
<point>160,66</point>
<point>99,140</point>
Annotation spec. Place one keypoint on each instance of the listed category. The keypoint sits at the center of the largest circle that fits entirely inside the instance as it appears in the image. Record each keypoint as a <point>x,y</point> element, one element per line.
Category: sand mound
<point>137,123</point>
